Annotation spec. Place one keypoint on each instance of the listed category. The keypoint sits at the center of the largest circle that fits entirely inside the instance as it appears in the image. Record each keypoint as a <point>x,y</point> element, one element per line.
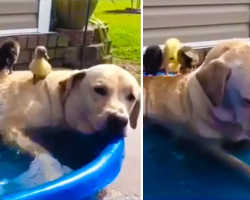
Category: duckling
<point>170,52</point>
<point>188,59</point>
<point>9,53</point>
<point>39,66</point>
<point>152,60</point>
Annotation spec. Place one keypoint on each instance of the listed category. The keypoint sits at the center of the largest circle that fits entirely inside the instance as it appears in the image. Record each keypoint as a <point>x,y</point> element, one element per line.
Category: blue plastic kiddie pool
<point>84,182</point>
<point>161,73</point>
<point>178,169</point>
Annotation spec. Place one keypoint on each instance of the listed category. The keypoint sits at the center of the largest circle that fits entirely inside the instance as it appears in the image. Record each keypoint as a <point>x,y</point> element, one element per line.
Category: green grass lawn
<point>124,30</point>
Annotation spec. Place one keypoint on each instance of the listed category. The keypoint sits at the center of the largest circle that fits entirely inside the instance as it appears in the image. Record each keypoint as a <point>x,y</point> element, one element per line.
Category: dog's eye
<point>101,91</point>
<point>131,97</point>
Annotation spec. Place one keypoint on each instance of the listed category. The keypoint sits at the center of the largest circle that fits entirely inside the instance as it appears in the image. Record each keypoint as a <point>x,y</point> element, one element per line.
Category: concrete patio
<point>128,183</point>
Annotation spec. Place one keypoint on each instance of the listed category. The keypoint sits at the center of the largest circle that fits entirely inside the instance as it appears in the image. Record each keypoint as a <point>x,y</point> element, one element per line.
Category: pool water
<point>68,150</point>
<point>180,170</point>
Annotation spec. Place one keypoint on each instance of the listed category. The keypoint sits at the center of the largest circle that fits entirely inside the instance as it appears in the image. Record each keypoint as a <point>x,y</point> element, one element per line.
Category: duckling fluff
<point>152,60</point>
<point>188,59</point>
<point>39,66</point>
<point>170,52</point>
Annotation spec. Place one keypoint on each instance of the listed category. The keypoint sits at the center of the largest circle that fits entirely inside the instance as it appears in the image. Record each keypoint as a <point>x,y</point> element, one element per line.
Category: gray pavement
<point>128,183</point>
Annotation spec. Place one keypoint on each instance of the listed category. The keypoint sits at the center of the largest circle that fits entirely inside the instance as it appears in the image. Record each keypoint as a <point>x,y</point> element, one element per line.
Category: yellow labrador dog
<point>102,97</point>
<point>210,105</point>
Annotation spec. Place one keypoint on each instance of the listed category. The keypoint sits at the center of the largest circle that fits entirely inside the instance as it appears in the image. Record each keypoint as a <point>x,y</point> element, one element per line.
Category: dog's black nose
<point>116,122</point>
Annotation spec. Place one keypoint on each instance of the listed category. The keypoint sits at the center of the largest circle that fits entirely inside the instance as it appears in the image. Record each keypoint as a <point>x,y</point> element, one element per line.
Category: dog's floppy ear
<point>213,80</point>
<point>133,118</point>
<point>68,83</point>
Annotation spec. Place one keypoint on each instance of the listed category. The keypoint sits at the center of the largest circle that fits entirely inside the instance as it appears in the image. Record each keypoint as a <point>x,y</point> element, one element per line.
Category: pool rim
<point>113,153</point>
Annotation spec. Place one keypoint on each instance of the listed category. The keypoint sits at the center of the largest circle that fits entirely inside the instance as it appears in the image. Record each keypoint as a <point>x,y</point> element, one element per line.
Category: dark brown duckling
<point>152,60</point>
<point>9,53</point>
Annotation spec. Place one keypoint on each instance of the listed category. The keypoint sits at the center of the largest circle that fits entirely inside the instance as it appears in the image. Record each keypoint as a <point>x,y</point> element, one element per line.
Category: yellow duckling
<point>170,54</point>
<point>39,66</point>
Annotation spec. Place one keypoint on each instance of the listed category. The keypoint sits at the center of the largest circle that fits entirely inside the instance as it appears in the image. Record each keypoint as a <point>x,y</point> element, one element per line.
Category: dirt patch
<point>133,68</point>
<point>126,11</point>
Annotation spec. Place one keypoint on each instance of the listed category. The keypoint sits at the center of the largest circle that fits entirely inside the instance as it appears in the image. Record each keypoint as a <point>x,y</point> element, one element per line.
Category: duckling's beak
<point>46,56</point>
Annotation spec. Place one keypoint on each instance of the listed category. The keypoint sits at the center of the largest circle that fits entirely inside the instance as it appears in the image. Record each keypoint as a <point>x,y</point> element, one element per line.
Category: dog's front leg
<point>238,164</point>
<point>213,147</point>
<point>17,137</point>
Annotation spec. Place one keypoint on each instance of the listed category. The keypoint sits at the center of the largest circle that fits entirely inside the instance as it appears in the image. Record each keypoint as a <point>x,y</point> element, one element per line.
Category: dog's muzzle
<point>116,122</point>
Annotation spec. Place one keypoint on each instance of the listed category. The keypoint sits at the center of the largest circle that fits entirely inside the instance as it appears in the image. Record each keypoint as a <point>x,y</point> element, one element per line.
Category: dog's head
<point>226,83</point>
<point>104,97</point>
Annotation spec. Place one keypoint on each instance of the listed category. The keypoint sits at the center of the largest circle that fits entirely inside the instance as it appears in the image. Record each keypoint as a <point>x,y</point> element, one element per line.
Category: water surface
<point>179,169</point>
<point>67,150</point>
